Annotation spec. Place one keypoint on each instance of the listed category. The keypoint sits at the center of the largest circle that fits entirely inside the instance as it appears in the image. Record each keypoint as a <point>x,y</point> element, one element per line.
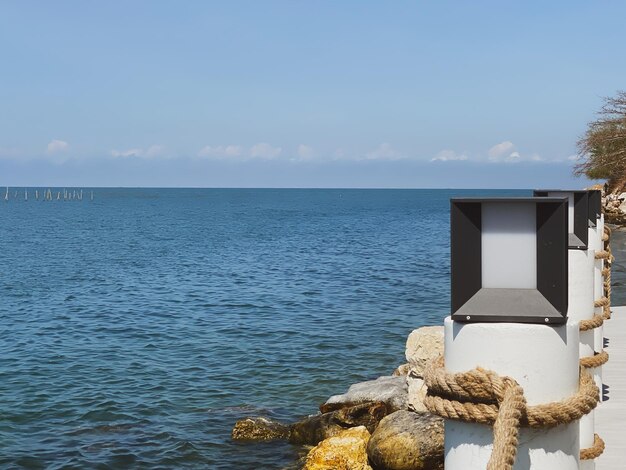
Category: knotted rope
<point>483,396</point>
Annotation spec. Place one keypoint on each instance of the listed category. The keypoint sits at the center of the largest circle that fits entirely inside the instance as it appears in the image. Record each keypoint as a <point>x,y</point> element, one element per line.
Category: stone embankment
<point>380,424</point>
<point>615,209</point>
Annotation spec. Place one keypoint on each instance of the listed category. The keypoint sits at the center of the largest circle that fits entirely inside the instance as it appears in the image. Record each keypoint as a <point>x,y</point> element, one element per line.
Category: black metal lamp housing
<point>578,209</point>
<point>509,260</point>
<point>595,206</point>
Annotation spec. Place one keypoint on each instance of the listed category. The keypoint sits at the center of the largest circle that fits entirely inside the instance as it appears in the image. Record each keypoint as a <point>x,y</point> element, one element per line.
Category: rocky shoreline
<point>380,424</point>
<point>383,424</point>
<point>615,209</point>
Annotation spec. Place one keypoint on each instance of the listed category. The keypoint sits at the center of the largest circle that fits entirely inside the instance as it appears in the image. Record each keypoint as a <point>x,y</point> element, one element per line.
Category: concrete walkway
<point>610,417</point>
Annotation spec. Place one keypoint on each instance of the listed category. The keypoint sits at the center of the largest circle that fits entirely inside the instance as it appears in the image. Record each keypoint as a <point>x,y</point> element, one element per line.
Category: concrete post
<point>596,244</point>
<point>544,360</point>
<point>580,301</point>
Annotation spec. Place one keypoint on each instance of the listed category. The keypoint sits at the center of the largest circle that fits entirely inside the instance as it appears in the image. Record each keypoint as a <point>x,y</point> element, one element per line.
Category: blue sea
<point>135,329</point>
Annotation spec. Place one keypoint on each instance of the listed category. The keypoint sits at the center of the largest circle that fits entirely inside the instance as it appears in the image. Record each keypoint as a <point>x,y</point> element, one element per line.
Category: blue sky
<point>302,94</point>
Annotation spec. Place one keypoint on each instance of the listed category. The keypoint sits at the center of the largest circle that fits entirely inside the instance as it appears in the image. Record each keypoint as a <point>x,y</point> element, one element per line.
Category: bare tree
<point>603,148</point>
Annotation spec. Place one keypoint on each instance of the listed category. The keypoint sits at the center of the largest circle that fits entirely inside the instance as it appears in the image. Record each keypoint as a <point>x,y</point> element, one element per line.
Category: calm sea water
<point>135,329</point>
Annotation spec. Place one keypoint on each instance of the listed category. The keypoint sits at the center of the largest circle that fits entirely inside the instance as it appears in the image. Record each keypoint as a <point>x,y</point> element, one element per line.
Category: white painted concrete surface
<point>580,307</point>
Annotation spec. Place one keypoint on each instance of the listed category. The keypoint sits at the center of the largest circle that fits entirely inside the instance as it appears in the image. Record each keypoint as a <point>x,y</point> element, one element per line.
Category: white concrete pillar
<point>580,307</point>
<point>596,244</point>
<point>544,361</point>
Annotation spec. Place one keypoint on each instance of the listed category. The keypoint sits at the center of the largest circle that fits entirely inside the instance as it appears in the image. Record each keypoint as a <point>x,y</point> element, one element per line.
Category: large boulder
<point>407,441</point>
<point>259,429</point>
<point>392,390</point>
<point>316,428</point>
<point>344,451</point>
<point>422,346</point>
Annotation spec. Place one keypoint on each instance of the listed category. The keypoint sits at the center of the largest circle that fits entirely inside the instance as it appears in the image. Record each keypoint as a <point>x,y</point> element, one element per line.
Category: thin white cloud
<point>220,151</point>
<point>154,151</point>
<point>127,153</point>
<point>506,152</point>
<point>305,152</point>
<point>265,151</point>
<point>151,152</point>
<point>449,156</point>
<point>501,149</point>
<point>57,146</point>
<point>384,151</point>
<point>498,151</point>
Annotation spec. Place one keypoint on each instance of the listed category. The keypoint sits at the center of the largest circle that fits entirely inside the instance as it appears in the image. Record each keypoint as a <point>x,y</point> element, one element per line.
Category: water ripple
<point>137,328</point>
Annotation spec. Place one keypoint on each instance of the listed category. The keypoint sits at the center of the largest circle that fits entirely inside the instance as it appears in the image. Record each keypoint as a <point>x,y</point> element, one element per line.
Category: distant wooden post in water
<point>48,195</point>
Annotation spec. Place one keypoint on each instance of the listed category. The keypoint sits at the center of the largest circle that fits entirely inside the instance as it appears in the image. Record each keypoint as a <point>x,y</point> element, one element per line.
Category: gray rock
<point>315,429</point>
<point>392,390</point>
<point>407,441</point>
<point>259,429</point>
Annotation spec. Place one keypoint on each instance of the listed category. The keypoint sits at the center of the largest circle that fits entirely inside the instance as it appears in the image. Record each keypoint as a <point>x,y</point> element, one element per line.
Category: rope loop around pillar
<point>594,451</point>
<point>483,396</point>
<point>603,254</point>
<point>597,360</point>
<point>593,322</point>
<point>603,302</point>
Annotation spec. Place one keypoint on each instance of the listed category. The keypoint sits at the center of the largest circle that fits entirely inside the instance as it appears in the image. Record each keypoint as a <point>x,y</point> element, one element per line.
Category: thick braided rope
<point>482,396</point>
<point>606,272</point>
<point>603,302</point>
<point>606,310</point>
<point>473,396</point>
<point>594,451</point>
<point>597,360</point>
<point>603,254</point>
<point>597,448</point>
<point>591,323</point>
<point>506,427</point>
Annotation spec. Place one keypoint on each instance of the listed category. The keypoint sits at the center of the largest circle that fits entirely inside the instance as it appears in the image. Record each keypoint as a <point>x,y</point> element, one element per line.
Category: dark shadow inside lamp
<point>578,214</point>
<point>511,287</point>
<point>595,206</point>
